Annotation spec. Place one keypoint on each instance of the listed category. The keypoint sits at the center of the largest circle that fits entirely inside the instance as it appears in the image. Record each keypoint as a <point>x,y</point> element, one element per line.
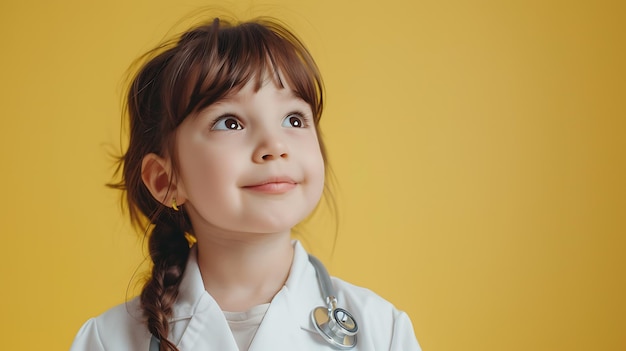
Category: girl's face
<point>250,163</point>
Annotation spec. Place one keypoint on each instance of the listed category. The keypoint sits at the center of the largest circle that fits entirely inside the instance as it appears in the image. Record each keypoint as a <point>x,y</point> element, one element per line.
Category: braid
<point>169,250</point>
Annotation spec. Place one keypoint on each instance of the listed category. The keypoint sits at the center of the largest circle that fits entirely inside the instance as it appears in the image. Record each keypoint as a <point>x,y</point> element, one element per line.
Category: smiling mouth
<point>273,186</point>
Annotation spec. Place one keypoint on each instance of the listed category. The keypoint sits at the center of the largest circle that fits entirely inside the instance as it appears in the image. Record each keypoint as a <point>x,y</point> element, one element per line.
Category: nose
<point>270,148</point>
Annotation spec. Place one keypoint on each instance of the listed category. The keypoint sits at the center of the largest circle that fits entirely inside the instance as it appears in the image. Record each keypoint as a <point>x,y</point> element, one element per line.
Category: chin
<point>275,224</point>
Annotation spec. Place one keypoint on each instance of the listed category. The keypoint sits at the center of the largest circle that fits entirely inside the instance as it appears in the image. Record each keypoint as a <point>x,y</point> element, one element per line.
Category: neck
<point>244,272</point>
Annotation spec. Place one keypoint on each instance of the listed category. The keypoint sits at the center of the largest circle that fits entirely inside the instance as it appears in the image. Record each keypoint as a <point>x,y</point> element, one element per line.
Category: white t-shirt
<point>245,324</point>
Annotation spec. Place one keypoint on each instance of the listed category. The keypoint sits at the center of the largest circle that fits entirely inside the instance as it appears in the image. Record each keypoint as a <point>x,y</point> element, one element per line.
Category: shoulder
<point>120,328</point>
<point>358,294</point>
<point>380,322</point>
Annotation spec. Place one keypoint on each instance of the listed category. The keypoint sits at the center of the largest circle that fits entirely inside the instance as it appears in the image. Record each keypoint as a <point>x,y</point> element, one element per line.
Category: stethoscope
<point>335,324</point>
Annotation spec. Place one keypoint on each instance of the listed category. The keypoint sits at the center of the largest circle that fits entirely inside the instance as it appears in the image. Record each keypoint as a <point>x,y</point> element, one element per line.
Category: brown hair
<point>175,80</point>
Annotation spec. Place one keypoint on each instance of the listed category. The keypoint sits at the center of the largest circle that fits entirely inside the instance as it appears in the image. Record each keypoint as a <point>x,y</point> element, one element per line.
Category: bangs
<point>217,60</point>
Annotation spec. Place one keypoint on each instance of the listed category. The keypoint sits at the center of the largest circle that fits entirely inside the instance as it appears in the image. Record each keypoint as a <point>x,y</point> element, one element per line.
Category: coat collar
<point>199,323</point>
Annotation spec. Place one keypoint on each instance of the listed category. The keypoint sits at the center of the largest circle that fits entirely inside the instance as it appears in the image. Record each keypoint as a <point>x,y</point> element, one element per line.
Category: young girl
<point>225,149</point>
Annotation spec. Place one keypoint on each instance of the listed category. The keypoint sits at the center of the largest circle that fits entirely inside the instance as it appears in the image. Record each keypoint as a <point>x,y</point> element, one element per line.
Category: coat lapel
<point>280,330</point>
<point>197,321</point>
<point>287,323</point>
<point>208,329</point>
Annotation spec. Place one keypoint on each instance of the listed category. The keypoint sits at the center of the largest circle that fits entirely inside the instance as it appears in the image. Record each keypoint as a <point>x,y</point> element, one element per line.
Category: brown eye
<point>231,123</point>
<point>227,123</point>
<point>293,121</point>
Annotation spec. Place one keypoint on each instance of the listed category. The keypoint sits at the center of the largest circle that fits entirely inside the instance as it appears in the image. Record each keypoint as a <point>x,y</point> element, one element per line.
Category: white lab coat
<point>197,322</point>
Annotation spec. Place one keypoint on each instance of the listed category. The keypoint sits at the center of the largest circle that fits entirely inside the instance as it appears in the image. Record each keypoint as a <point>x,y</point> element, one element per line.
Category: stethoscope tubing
<point>326,286</point>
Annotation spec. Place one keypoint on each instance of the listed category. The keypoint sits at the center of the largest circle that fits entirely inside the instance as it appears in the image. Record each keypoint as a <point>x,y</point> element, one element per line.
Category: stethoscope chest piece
<point>336,325</point>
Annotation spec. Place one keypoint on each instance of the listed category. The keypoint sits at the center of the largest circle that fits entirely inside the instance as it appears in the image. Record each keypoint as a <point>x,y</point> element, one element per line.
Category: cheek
<point>317,171</point>
<point>202,171</point>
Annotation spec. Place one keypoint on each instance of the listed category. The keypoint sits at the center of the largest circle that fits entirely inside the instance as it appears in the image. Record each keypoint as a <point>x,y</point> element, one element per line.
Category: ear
<point>157,175</point>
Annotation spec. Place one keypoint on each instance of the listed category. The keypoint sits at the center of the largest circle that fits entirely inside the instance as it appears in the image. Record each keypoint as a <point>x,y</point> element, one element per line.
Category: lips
<point>276,185</point>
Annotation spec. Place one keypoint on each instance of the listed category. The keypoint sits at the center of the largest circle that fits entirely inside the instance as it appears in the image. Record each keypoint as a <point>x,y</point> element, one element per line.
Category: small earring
<point>174,205</point>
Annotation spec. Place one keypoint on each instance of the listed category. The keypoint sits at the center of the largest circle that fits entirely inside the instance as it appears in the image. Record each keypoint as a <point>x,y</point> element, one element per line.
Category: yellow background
<point>479,149</point>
